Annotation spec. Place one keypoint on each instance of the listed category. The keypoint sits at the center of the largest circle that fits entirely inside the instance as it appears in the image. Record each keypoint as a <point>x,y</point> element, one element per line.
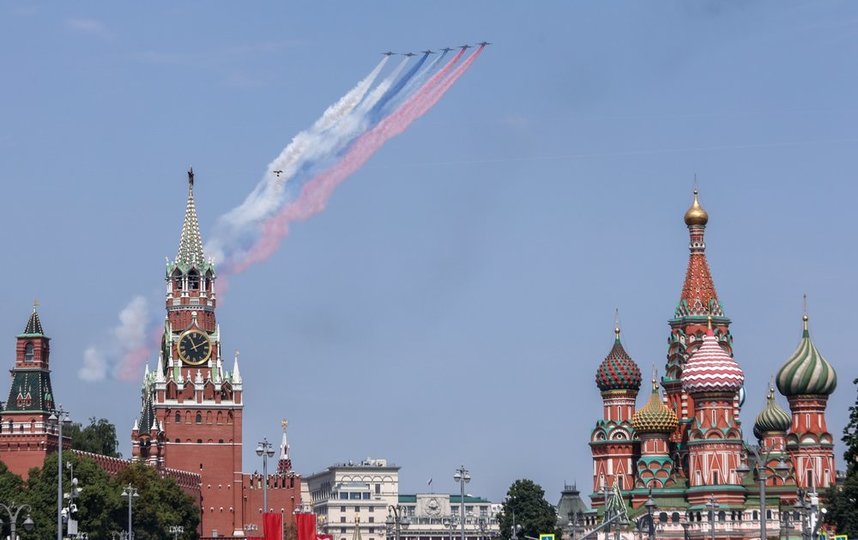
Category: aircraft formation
<point>444,50</point>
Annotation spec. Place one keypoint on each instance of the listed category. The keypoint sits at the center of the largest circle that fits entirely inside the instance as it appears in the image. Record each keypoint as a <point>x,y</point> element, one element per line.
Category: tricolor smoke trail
<point>298,183</point>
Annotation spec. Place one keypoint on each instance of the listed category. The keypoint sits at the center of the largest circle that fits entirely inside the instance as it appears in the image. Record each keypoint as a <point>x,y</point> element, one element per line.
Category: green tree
<point>526,510</point>
<point>843,500</point>
<point>101,507</point>
<point>99,437</point>
<point>159,504</point>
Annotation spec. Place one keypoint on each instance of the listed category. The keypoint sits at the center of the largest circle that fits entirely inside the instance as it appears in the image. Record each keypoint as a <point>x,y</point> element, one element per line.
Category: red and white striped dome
<point>710,369</point>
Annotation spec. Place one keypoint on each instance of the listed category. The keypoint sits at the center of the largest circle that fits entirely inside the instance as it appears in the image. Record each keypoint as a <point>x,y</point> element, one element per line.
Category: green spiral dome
<point>806,372</point>
<point>772,419</point>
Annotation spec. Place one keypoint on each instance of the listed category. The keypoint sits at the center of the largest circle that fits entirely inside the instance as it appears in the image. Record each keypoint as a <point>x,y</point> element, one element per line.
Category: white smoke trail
<point>339,124</point>
<point>126,340</point>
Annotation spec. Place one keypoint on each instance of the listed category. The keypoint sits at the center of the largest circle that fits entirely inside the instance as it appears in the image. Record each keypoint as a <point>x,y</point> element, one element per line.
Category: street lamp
<point>396,520</point>
<point>13,512</point>
<point>175,530</point>
<point>59,416</point>
<point>760,462</point>
<point>130,492</point>
<point>713,505</point>
<point>462,476</point>
<point>650,510</point>
<point>265,450</point>
<point>450,523</point>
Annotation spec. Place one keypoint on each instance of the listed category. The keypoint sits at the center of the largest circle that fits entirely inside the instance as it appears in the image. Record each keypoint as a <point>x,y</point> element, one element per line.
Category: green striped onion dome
<point>772,419</point>
<point>655,416</point>
<point>806,371</point>
<point>618,371</point>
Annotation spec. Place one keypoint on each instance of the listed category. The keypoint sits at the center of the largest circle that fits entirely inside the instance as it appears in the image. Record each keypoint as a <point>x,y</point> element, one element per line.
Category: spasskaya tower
<point>191,410</point>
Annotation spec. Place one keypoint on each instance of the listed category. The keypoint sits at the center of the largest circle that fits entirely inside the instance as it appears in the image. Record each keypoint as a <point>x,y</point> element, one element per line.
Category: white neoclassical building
<point>359,496</point>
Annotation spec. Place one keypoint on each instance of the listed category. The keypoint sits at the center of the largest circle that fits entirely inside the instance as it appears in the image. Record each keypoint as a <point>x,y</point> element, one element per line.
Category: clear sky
<point>452,303</point>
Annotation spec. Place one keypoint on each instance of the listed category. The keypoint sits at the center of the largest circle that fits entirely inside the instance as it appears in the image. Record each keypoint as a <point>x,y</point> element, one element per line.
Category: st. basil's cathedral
<point>681,458</point>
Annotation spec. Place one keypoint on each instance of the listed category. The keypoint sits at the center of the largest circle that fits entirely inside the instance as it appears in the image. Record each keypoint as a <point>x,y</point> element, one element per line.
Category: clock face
<point>194,347</point>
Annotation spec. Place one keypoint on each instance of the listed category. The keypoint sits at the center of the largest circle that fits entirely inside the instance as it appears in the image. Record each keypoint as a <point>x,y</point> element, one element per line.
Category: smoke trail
<point>266,196</point>
<point>316,192</point>
<point>344,137</point>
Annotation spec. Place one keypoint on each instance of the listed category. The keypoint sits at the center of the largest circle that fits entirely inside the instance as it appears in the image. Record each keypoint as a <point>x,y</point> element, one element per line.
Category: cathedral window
<point>715,478</point>
<point>28,353</point>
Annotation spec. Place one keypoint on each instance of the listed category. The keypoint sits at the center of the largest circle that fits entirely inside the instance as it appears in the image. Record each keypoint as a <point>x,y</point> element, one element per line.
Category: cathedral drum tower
<point>807,379</point>
<point>191,406</point>
<point>612,441</point>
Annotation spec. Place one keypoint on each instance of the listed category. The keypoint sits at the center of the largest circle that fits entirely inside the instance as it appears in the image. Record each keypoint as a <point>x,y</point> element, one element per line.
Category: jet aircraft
<point>465,46</point>
<point>427,51</point>
<point>278,173</point>
<point>446,49</point>
<point>483,43</point>
<point>388,53</point>
<point>409,54</point>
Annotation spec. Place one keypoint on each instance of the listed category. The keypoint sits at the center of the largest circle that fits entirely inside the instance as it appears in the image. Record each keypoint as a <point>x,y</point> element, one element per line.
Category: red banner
<point>272,526</point>
<point>306,525</point>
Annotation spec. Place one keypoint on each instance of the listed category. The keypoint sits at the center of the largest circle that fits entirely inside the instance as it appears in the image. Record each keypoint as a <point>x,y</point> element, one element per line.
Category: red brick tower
<point>807,379</point>
<point>612,440</point>
<point>26,434</point>
<point>698,305</point>
<point>191,410</point>
<point>714,437</point>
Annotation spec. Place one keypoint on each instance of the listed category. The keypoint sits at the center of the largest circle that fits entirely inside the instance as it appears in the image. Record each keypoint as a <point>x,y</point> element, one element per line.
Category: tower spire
<point>191,242</point>
<point>698,296</point>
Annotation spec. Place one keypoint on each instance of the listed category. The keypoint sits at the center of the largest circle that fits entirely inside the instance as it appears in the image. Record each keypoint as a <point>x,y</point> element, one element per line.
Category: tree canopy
<point>99,437</point>
<point>526,510</point>
<point>101,508</point>
<point>843,499</point>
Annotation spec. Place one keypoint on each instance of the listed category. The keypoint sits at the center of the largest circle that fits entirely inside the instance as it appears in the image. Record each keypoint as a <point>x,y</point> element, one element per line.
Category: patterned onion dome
<point>710,369</point>
<point>806,371</point>
<point>618,371</point>
<point>655,416</point>
<point>696,214</point>
<point>772,419</point>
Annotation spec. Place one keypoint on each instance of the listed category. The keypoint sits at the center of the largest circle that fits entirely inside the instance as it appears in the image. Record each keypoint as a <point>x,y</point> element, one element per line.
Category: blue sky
<point>452,303</point>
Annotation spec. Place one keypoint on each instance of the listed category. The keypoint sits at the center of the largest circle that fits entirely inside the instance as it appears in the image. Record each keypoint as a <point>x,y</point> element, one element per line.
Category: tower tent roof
<point>191,242</point>
<point>698,297</point>
<point>34,325</point>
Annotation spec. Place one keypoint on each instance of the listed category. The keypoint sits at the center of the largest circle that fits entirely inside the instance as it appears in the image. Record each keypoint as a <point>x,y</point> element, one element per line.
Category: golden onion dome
<point>696,214</point>
<point>655,416</point>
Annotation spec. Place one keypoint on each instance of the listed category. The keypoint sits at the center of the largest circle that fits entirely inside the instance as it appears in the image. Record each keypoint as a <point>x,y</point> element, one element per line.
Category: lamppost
<point>130,492</point>
<point>265,450</point>
<point>13,512</point>
<point>396,520</point>
<point>713,505</point>
<point>650,510</point>
<point>59,416</point>
<point>462,476</point>
<point>760,462</point>
<point>804,507</point>
<point>450,523</point>
<point>483,525</point>
<point>175,530</point>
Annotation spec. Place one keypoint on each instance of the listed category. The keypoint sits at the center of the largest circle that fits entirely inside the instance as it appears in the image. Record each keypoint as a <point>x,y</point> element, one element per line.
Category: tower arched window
<point>193,280</point>
<point>178,417</point>
<point>29,353</point>
<point>199,419</point>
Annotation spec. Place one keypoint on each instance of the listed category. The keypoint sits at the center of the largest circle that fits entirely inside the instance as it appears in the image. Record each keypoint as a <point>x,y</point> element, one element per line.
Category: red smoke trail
<point>315,194</point>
